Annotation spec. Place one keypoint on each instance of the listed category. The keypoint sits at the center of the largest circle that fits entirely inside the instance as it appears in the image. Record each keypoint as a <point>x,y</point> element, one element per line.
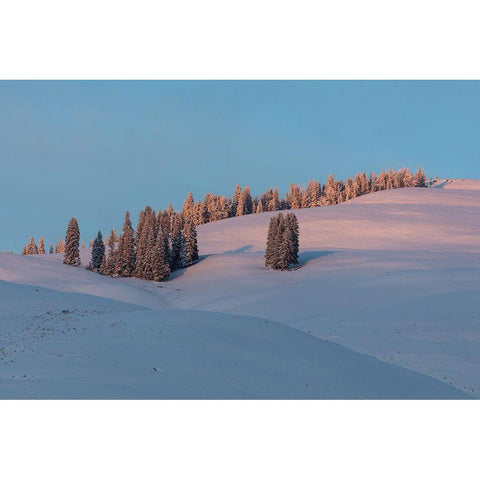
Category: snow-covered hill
<point>394,275</point>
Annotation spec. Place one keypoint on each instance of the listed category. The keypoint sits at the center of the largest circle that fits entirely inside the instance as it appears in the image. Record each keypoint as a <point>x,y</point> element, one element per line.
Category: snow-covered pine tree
<point>312,195</point>
<point>235,199</point>
<point>51,248</point>
<point>191,247</point>
<point>331,191</point>
<point>145,222</point>
<point>294,197</point>
<point>188,207</point>
<point>60,247</point>
<point>274,202</point>
<point>31,247</point>
<point>419,179</point>
<point>24,250</point>
<point>126,249</point>
<point>177,242</point>
<point>159,258</point>
<point>272,239</point>
<point>41,245</point>
<point>72,242</point>
<point>291,224</point>
<point>98,253</point>
<point>110,257</point>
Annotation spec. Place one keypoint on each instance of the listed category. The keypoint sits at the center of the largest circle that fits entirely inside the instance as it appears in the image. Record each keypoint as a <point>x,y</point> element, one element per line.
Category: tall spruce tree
<point>272,240</point>
<point>177,242</point>
<point>188,208</point>
<point>159,258</point>
<point>31,247</point>
<point>126,249</point>
<point>191,247</point>
<point>41,245</point>
<point>72,242</point>
<point>98,252</point>
<point>293,233</point>
<point>51,248</point>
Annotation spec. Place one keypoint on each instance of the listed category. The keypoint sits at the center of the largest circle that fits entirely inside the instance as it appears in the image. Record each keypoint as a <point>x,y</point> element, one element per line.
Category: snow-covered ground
<point>393,275</point>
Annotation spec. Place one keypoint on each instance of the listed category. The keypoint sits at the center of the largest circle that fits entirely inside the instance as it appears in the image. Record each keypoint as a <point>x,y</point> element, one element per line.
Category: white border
<point>249,39</point>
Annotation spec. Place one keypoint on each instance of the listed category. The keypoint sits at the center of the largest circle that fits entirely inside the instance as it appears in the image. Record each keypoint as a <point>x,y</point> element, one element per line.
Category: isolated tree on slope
<point>282,242</point>
<point>51,248</point>
<point>98,252</point>
<point>72,242</point>
<point>41,245</point>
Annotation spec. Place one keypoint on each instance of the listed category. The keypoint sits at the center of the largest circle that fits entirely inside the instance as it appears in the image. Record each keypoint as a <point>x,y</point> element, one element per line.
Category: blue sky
<point>94,149</point>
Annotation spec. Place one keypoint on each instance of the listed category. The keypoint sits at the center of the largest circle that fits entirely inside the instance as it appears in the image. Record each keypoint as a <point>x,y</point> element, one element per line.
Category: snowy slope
<point>75,347</point>
<point>394,275</point>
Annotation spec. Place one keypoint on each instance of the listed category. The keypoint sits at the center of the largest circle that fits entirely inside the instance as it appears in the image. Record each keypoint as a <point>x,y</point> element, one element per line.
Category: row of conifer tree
<point>161,244</point>
<point>219,207</point>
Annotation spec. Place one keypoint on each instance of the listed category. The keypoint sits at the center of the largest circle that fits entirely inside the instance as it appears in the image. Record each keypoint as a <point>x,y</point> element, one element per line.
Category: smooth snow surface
<point>393,275</point>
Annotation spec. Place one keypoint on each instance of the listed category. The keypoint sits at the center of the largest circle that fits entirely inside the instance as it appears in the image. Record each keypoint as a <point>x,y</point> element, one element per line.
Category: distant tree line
<point>219,207</point>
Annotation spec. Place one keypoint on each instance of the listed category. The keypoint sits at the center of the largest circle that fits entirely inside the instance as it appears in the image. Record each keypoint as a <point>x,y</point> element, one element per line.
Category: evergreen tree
<point>313,193</point>
<point>294,196</point>
<point>41,245</point>
<point>419,179</point>
<point>177,244</point>
<point>235,199</point>
<point>145,228</point>
<point>272,240</point>
<point>24,251</point>
<point>51,248</point>
<point>98,253</point>
<point>126,249</point>
<point>293,233</point>
<point>72,242</point>
<point>31,247</point>
<point>60,247</point>
<point>159,259</point>
<point>282,242</point>
<point>191,247</point>
<point>188,208</point>
<point>110,257</point>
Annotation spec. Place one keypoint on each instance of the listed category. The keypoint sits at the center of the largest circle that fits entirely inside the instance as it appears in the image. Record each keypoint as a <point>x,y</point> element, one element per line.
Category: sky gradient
<point>95,149</point>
